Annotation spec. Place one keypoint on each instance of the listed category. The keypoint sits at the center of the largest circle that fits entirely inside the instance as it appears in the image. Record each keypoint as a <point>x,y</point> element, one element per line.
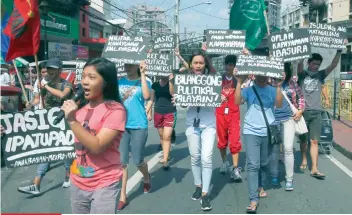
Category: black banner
<point>291,45</point>
<point>198,90</point>
<point>125,49</point>
<point>159,64</point>
<point>79,70</point>
<point>260,65</point>
<point>164,42</point>
<point>327,36</point>
<point>32,138</point>
<point>225,42</point>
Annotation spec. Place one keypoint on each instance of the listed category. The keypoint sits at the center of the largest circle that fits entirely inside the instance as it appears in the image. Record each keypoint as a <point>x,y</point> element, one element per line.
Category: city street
<point>171,191</point>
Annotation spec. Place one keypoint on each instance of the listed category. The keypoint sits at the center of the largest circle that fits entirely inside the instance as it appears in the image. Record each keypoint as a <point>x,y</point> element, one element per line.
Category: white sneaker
<point>30,189</point>
<point>67,183</point>
<point>225,167</point>
<point>236,174</point>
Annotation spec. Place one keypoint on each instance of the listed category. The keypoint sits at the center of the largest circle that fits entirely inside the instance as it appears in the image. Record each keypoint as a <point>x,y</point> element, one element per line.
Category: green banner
<point>59,25</point>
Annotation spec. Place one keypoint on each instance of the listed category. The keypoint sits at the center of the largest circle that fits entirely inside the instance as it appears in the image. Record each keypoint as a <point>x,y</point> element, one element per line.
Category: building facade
<point>147,20</point>
<point>295,17</point>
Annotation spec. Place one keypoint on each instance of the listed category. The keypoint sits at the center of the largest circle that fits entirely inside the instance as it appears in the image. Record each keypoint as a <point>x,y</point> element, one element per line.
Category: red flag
<point>23,28</point>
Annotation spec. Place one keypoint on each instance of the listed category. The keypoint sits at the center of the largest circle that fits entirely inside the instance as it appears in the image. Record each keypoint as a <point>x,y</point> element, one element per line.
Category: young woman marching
<point>164,113</point>
<point>285,120</point>
<point>201,134</point>
<point>134,90</point>
<point>255,131</point>
<point>98,127</point>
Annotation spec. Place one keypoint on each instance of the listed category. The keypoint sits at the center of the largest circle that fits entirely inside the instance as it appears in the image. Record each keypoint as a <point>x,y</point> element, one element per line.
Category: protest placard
<point>327,36</point>
<point>31,137</point>
<point>225,42</point>
<point>291,45</point>
<point>79,70</point>
<point>164,42</point>
<point>125,49</point>
<point>198,90</point>
<point>159,64</point>
<point>260,65</point>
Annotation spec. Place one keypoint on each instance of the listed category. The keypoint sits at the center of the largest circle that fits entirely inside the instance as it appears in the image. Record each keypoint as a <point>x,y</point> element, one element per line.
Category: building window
<point>83,32</point>
<point>93,33</point>
<point>83,17</point>
<point>107,35</point>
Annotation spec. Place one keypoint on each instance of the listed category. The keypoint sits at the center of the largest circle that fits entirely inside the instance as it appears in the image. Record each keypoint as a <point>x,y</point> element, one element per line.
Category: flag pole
<point>20,80</point>
<point>266,22</point>
<point>39,81</point>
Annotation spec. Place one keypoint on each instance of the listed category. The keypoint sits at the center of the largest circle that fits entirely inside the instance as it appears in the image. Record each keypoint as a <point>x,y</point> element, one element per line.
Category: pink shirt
<point>93,171</point>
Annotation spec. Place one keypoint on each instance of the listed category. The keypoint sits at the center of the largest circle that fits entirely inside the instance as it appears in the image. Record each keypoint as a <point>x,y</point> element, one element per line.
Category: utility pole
<point>185,33</point>
<point>177,30</point>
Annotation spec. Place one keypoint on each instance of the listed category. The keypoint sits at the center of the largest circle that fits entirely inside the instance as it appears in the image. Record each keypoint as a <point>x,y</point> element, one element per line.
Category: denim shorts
<point>133,140</point>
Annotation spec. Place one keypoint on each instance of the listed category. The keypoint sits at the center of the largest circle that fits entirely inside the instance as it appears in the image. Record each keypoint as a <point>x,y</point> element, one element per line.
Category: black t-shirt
<point>163,97</point>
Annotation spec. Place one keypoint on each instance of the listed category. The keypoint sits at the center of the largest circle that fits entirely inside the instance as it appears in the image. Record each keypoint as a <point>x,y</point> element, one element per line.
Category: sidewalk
<point>343,137</point>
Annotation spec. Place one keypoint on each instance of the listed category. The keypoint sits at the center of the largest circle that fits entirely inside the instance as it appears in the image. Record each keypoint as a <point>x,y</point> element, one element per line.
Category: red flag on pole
<point>23,28</point>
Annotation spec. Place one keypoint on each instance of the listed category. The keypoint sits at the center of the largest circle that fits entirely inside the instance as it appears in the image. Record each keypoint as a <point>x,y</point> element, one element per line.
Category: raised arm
<point>144,83</point>
<point>184,63</point>
<point>150,102</point>
<point>334,63</point>
<point>171,84</point>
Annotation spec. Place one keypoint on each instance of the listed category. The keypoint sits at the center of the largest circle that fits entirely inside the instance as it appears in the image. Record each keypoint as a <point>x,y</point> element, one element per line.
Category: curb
<point>342,150</point>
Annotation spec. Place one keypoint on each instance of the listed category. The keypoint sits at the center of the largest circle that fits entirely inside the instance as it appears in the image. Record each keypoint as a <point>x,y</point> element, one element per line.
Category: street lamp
<point>44,7</point>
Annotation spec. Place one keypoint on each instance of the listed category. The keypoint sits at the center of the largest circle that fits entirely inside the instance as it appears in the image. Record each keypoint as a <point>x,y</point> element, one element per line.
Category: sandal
<point>318,175</point>
<point>252,209</point>
<point>303,167</point>
<point>263,194</point>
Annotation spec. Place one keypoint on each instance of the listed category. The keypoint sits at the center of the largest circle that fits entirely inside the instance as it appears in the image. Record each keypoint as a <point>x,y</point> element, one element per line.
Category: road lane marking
<point>136,178</point>
<point>339,165</point>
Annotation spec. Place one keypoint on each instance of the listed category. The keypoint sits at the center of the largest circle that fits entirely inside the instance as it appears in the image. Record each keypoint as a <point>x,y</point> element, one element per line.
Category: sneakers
<point>289,186</point>
<point>197,194</point>
<point>225,167</point>
<point>205,202</point>
<point>67,182</point>
<point>30,189</point>
<point>275,181</point>
<point>236,174</point>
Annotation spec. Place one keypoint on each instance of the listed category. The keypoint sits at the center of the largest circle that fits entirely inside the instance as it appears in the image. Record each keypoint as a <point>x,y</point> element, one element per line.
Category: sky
<point>194,21</point>
<point>213,16</point>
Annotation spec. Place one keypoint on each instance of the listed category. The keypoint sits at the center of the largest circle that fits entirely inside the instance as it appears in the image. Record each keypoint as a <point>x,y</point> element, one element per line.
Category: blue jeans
<point>257,163</point>
<point>201,144</point>
<point>43,167</point>
<point>133,140</point>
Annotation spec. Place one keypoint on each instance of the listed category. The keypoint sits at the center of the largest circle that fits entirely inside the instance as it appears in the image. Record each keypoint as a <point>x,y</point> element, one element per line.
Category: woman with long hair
<point>285,126</point>
<point>201,134</point>
<point>164,114</point>
<point>98,127</point>
<point>134,91</point>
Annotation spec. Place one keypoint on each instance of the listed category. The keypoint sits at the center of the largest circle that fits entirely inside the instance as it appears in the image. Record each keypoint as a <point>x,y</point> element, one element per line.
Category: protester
<point>98,127</point>
<point>311,80</point>
<point>4,77</point>
<point>36,102</point>
<point>134,91</point>
<point>255,131</point>
<point>284,127</point>
<point>228,121</point>
<point>201,133</point>
<point>164,113</point>
<point>55,91</point>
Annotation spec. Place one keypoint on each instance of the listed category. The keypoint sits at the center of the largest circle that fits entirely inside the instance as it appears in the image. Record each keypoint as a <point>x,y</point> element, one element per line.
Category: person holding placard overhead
<point>311,81</point>
<point>261,99</point>
<point>134,91</point>
<point>284,126</point>
<point>201,134</point>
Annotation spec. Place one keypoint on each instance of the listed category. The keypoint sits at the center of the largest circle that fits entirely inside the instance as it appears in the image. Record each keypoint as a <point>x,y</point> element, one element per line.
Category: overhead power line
<point>208,14</point>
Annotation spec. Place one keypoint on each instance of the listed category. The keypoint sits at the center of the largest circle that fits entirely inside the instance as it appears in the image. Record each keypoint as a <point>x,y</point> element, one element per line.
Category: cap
<point>55,63</point>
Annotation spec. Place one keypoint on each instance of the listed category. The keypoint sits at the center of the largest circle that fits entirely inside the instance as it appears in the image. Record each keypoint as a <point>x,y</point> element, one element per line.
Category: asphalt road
<point>171,191</point>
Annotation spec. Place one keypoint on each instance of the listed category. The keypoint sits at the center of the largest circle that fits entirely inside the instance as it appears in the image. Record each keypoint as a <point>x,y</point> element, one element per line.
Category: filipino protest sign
<point>327,36</point>
<point>79,70</point>
<point>159,64</point>
<point>164,42</point>
<point>291,45</point>
<point>125,49</point>
<point>32,138</point>
<point>225,42</point>
<point>260,65</point>
<point>198,90</point>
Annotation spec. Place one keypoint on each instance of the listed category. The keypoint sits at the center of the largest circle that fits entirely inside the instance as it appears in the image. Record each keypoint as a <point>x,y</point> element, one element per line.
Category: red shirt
<point>228,90</point>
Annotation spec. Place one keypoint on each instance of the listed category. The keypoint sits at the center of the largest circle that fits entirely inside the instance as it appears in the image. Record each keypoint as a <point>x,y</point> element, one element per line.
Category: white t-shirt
<point>36,90</point>
<point>5,79</point>
<point>206,116</point>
